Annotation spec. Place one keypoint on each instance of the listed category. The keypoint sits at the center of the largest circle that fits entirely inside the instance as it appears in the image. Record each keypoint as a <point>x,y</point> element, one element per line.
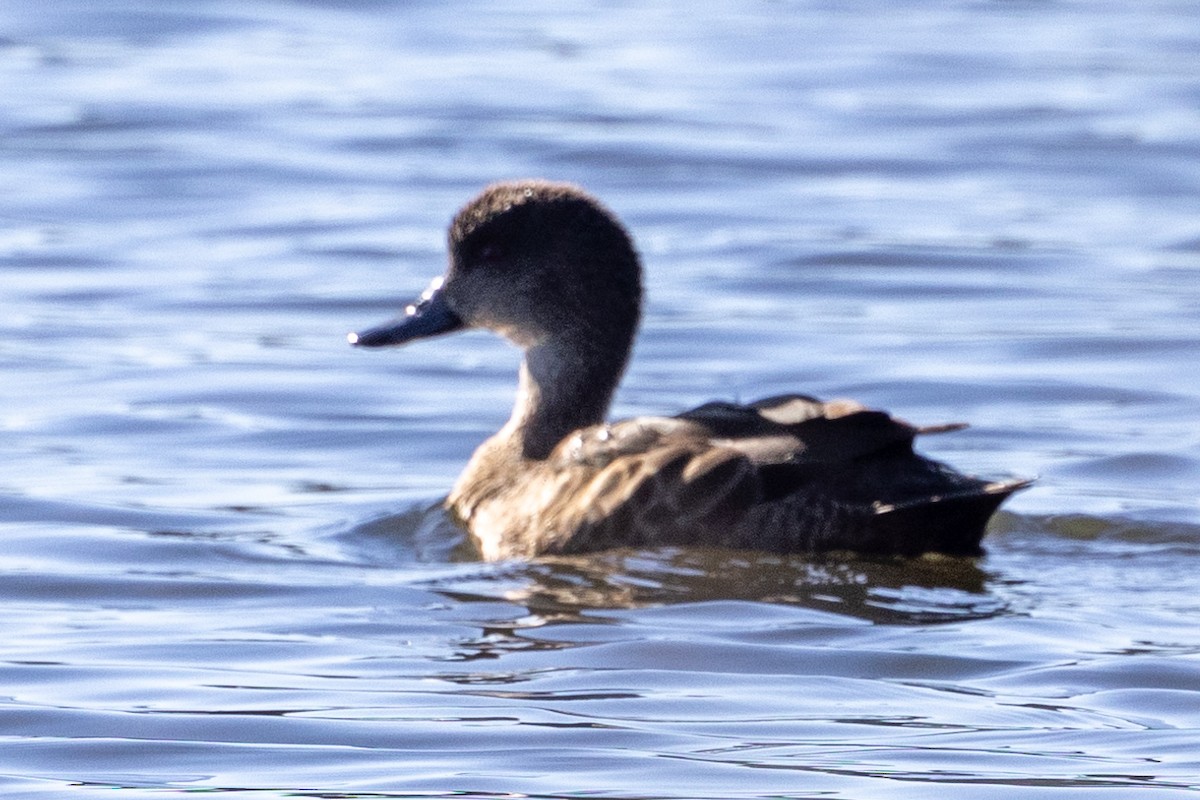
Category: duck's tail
<point>953,523</point>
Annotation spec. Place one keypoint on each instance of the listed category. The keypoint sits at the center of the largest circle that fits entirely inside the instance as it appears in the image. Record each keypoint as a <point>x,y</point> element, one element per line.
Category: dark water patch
<point>1185,246</point>
<point>1107,346</point>
<point>112,122</point>
<point>401,143</point>
<point>1149,673</point>
<point>1052,391</point>
<point>55,261</point>
<point>1138,467</point>
<point>132,590</point>
<point>1085,528</point>
<point>360,253</point>
<point>981,260</point>
<point>116,20</point>
<point>15,508</point>
<point>730,166</point>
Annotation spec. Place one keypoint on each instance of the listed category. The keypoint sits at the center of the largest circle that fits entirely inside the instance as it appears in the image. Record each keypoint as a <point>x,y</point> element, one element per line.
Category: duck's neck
<point>561,390</point>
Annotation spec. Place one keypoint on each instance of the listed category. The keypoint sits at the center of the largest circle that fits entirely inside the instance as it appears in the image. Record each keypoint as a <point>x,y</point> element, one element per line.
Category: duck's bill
<point>429,316</point>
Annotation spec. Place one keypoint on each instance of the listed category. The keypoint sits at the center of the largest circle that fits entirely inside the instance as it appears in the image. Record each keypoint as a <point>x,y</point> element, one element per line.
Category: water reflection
<point>904,591</point>
<point>924,590</point>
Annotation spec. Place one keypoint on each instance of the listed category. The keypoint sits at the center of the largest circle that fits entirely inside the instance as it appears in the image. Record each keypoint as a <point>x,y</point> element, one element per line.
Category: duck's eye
<point>490,252</point>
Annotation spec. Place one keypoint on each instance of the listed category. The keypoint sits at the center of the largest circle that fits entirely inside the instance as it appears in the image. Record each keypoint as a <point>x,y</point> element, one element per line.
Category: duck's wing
<point>820,432</point>
<point>644,482</point>
<point>787,473</point>
<point>855,482</point>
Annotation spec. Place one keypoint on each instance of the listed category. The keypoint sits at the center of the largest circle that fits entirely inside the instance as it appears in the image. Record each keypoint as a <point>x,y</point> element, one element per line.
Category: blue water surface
<point>222,564</point>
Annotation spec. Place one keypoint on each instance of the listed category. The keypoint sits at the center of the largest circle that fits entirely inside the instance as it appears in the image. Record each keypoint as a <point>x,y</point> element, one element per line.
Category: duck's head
<point>540,263</point>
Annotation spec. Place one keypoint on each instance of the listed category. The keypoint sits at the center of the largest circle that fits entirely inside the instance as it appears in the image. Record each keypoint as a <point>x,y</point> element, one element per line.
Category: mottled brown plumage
<point>546,266</point>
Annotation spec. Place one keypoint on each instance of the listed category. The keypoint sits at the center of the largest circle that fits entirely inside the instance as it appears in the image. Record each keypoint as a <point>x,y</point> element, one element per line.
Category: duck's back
<point>787,474</point>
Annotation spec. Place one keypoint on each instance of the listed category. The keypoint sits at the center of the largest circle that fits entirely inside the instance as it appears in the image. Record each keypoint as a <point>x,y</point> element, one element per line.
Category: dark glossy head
<point>534,261</point>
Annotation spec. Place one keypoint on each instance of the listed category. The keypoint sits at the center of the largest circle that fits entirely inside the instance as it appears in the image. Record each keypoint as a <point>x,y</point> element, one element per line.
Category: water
<point>221,563</point>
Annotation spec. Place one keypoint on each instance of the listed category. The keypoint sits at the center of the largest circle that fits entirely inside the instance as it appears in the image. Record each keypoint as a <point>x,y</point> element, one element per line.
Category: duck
<point>548,267</point>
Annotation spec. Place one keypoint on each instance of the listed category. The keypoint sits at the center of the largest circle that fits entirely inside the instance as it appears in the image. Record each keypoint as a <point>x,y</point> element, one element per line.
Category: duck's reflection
<point>894,591</point>
<point>578,590</point>
<point>564,600</point>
